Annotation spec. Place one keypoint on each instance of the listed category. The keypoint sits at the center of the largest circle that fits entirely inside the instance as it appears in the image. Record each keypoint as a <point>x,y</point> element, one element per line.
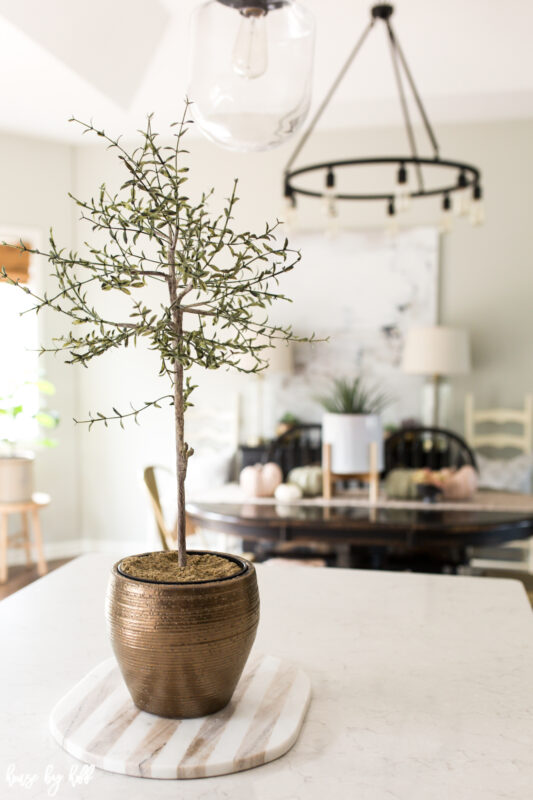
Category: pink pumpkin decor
<point>261,480</point>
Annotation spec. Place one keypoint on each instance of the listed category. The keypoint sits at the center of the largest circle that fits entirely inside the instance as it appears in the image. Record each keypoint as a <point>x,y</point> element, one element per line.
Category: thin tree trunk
<point>181,461</point>
<point>179,411</point>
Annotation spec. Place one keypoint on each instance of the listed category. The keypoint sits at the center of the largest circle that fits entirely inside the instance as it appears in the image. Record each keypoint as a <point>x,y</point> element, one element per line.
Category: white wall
<point>485,276</point>
<point>35,178</point>
<point>486,279</point>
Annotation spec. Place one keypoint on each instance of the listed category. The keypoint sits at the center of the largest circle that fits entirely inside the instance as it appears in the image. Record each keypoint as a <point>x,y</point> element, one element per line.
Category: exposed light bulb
<point>477,213</point>
<point>477,210</point>
<point>392,227</point>
<point>290,214</point>
<point>446,220</point>
<point>329,201</point>
<point>250,52</point>
<point>332,224</point>
<point>402,197</point>
<point>461,204</point>
<point>461,200</point>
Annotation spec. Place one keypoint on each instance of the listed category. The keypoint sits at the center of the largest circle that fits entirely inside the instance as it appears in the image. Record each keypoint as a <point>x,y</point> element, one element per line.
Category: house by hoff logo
<point>78,775</point>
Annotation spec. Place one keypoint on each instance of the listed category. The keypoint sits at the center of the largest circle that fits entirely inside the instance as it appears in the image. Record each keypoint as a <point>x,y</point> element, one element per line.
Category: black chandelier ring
<point>466,175</point>
<point>469,177</point>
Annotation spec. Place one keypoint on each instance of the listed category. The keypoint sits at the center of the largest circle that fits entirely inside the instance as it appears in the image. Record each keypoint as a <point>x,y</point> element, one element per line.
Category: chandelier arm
<point>328,96</point>
<point>405,107</point>
<point>425,119</point>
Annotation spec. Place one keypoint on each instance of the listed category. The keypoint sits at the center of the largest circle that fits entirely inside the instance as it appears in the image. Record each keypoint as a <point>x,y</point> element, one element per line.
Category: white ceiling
<point>115,60</point>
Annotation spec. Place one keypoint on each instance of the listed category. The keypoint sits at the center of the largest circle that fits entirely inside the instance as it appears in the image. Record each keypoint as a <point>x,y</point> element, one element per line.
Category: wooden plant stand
<point>26,509</point>
<point>371,477</point>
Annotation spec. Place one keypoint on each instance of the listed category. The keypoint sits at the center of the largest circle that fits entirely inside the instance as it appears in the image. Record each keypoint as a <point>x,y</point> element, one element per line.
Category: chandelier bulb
<point>290,218</point>
<point>477,213</point>
<point>402,197</point>
<point>332,226</point>
<point>446,220</point>
<point>391,228</point>
<point>461,204</point>
<point>250,52</point>
<point>329,199</point>
<point>289,213</point>
<point>477,210</point>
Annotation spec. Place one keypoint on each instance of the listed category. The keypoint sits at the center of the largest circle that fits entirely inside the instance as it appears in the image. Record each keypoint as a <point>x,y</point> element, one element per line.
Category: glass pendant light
<point>250,71</point>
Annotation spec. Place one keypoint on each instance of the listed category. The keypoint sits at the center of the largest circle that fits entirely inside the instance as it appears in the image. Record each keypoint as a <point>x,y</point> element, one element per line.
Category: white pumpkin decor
<point>288,493</point>
<point>308,479</point>
<point>260,480</point>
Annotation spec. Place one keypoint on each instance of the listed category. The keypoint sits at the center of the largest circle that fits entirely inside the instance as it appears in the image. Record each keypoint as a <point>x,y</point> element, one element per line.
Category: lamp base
<point>436,402</point>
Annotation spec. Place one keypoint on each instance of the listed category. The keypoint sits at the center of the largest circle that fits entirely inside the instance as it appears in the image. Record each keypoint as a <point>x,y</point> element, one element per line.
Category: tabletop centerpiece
<point>181,624</point>
<point>351,422</point>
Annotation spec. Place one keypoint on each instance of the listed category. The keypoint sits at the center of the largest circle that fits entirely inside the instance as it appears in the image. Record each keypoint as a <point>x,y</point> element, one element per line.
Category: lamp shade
<point>278,355</point>
<point>280,359</point>
<point>436,350</point>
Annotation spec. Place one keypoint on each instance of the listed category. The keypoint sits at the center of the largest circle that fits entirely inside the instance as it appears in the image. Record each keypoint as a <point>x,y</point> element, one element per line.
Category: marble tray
<point>97,722</point>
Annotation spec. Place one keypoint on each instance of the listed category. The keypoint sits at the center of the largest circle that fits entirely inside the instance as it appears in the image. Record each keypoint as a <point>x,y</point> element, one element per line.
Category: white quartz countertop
<point>422,687</point>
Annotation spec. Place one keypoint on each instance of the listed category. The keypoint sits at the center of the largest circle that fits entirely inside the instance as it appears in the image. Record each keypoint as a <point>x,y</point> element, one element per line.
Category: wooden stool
<point>22,538</point>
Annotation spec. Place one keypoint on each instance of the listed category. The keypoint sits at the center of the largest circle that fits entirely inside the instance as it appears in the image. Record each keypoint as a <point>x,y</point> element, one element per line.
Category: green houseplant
<point>215,287</point>
<point>16,448</point>
<point>350,423</point>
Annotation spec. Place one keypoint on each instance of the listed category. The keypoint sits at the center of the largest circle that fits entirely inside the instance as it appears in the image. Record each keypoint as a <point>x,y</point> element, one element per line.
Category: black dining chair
<point>300,446</point>
<point>427,447</point>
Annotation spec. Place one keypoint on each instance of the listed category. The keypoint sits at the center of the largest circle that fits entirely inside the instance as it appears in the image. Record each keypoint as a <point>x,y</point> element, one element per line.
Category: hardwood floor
<point>21,575</point>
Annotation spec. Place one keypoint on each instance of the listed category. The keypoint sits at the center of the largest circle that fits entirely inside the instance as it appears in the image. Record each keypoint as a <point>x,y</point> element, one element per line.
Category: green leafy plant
<point>289,419</point>
<point>12,412</point>
<point>215,283</point>
<point>351,396</point>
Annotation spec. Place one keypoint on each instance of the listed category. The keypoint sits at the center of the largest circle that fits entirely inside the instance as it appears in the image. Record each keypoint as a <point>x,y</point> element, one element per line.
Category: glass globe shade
<point>251,71</point>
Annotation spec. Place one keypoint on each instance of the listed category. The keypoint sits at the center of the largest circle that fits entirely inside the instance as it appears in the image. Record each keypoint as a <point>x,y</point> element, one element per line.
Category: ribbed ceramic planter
<point>181,647</point>
<point>16,479</point>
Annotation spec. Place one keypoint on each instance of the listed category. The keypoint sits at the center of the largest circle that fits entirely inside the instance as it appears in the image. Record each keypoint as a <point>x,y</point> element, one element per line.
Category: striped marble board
<point>98,723</point>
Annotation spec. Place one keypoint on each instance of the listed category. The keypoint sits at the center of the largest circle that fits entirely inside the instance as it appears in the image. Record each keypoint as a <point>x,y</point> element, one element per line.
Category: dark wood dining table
<point>383,535</point>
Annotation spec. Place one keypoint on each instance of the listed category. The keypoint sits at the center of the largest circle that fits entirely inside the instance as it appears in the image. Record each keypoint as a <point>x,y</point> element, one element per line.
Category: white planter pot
<point>350,436</point>
<point>16,479</point>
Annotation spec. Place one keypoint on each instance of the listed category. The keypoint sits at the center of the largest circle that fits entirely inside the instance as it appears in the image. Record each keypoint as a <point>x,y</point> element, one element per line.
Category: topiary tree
<point>219,282</point>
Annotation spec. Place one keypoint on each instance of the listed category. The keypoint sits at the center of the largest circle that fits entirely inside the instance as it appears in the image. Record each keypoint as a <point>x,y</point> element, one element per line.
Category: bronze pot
<point>181,647</point>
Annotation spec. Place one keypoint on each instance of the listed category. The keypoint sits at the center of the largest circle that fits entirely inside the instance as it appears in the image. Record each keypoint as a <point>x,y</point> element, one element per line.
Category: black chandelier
<point>459,179</point>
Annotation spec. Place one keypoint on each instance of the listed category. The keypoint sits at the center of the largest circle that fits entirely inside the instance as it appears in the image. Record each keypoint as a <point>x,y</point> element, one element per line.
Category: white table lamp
<point>436,351</point>
<point>280,358</point>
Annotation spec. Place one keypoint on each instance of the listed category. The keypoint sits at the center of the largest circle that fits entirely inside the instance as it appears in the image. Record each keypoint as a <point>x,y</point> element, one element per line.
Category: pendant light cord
<point>418,99</point>
<point>405,108</point>
<point>329,95</point>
